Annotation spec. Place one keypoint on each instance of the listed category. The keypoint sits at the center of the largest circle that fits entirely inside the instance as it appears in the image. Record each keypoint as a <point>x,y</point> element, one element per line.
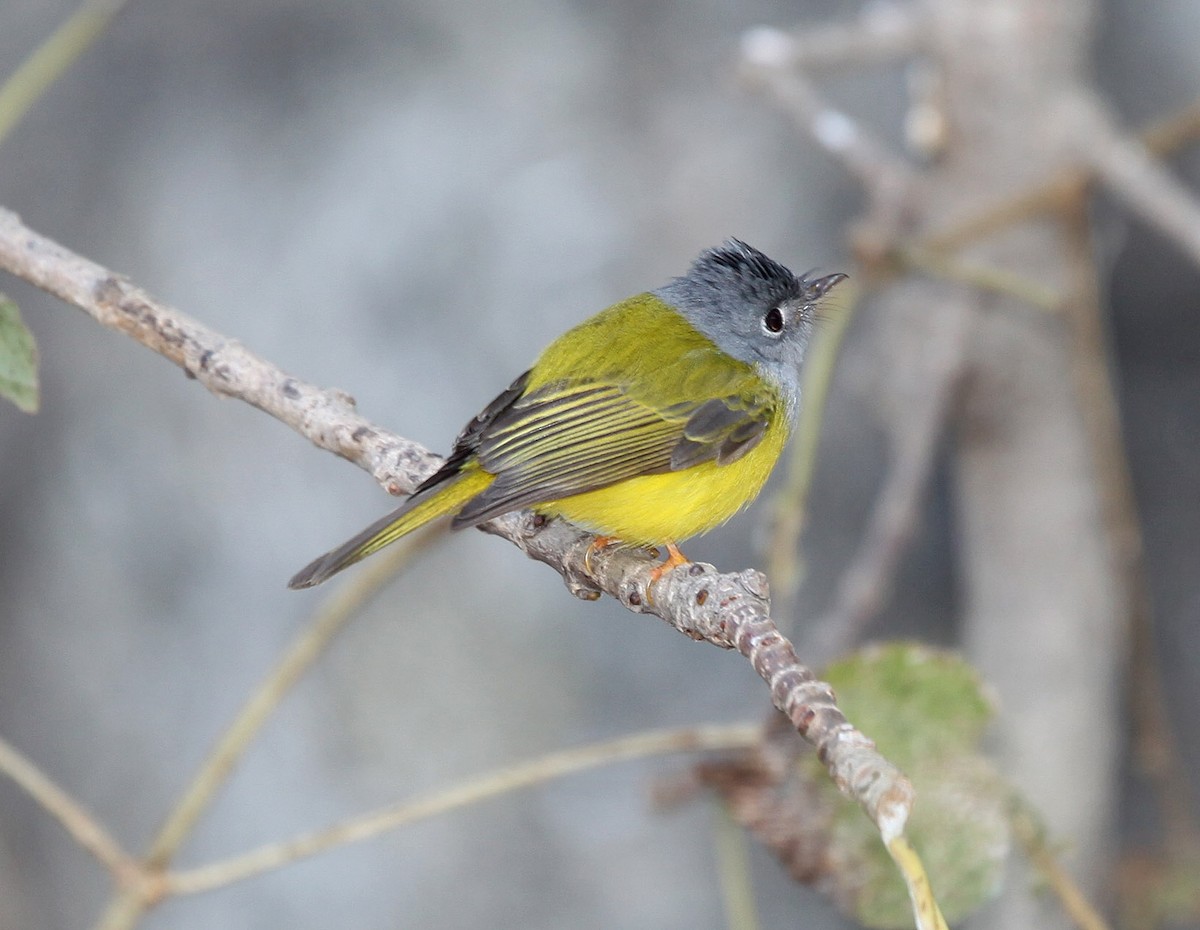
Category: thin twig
<point>48,62</point>
<point>1156,746</point>
<point>925,907</point>
<point>1161,138</point>
<point>1126,167</point>
<point>733,871</point>
<point>768,63</point>
<point>473,791</point>
<point>984,277</point>
<point>1031,835</point>
<point>81,825</point>
<point>346,602</point>
<point>790,508</point>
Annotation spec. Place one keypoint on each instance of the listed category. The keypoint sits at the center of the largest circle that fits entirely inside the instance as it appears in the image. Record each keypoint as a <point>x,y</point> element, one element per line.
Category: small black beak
<point>819,287</point>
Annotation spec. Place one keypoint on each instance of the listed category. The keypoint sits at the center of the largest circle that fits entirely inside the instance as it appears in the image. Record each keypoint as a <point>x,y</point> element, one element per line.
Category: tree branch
<point>46,65</point>
<point>774,62</point>
<point>882,33</point>
<point>1125,165</point>
<point>83,827</point>
<point>727,610</point>
<point>502,781</point>
<point>345,604</point>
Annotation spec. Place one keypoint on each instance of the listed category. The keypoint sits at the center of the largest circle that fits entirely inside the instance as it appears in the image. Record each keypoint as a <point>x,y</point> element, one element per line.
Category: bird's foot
<point>674,559</point>
<point>598,544</point>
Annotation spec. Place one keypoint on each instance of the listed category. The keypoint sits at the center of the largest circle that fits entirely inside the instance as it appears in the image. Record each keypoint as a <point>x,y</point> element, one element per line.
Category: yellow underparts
<point>673,506</point>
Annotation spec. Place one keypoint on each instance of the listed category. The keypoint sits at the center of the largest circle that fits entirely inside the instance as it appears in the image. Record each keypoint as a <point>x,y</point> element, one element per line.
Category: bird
<point>652,421</point>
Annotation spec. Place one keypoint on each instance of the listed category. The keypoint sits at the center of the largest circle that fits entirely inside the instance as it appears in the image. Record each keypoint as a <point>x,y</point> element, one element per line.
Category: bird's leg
<point>674,559</point>
<point>597,544</point>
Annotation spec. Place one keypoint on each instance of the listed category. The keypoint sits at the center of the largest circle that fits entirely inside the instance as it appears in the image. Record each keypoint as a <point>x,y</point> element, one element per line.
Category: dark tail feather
<point>413,513</point>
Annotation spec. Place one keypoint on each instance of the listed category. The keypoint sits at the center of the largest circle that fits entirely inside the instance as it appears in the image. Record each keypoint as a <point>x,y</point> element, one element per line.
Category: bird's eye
<point>773,322</point>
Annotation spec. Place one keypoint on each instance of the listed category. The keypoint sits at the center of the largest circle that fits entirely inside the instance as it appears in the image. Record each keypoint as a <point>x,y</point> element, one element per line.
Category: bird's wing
<point>575,435</point>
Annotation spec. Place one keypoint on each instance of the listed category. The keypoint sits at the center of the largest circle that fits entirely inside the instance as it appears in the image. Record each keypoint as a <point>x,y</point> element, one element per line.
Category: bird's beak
<point>819,287</point>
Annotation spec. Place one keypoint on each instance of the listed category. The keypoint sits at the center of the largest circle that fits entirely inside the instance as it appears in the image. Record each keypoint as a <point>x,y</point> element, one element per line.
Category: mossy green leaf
<point>18,359</point>
<point>927,710</point>
<point>916,702</point>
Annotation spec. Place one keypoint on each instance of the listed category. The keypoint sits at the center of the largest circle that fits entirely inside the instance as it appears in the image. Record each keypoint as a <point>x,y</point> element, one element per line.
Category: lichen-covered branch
<point>727,610</point>
<point>326,417</point>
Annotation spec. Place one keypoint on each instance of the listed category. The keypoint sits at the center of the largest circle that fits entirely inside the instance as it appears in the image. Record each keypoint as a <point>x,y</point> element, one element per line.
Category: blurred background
<point>407,200</point>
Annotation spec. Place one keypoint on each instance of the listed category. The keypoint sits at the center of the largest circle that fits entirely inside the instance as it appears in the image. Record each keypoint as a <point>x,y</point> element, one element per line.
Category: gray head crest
<point>738,271</point>
<point>751,306</point>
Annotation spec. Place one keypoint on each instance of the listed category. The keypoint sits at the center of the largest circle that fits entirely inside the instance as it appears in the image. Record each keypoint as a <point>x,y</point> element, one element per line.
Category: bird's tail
<point>413,513</point>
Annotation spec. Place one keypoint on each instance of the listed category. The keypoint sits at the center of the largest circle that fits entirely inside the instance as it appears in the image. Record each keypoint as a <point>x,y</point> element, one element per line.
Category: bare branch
<point>936,351</point>
<point>769,63</point>
<point>1127,168</point>
<point>83,827</point>
<point>884,32</point>
<point>790,507</point>
<point>731,611</point>
<point>327,418</point>
<point>502,781</point>
<point>47,64</point>
<point>1032,837</point>
<point>345,603</point>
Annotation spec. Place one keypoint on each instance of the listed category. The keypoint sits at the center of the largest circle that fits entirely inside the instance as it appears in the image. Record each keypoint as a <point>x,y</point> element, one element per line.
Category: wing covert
<point>570,437</point>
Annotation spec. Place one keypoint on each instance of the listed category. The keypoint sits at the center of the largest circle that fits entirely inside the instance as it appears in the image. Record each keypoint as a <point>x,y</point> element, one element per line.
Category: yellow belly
<point>670,507</point>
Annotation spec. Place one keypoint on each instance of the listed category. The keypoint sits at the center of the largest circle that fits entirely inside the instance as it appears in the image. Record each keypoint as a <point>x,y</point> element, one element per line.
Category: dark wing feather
<point>468,440</point>
<point>567,438</point>
<point>718,429</point>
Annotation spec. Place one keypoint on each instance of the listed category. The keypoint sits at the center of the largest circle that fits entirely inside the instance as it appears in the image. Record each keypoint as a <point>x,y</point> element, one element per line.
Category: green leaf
<point>919,704</point>
<point>927,710</point>
<point>18,359</point>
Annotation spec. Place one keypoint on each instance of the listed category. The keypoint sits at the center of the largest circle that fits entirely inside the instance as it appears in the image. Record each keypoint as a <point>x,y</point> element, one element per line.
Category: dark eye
<point>773,321</point>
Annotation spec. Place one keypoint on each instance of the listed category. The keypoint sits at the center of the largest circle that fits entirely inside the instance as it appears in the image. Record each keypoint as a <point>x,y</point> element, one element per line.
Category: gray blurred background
<point>408,200</point>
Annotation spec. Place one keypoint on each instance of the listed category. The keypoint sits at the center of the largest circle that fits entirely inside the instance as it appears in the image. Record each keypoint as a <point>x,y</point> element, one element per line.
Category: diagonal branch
<point>83,827</point>
<point>347,601</point>
<point>728,610</point>
<point>472,791</point>
<point>881,34</point>
<point>1127,168</point>
<point>224,366</point>
<point>937,350</point>
<point>46,65</point>
<point>775,63</point>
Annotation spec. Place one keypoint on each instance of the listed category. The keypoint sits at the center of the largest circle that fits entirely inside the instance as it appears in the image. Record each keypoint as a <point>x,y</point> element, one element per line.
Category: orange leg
<point>674,559</point>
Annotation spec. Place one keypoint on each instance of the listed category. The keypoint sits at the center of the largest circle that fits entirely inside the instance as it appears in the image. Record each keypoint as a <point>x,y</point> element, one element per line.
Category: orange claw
<point>674,559</point>
<point>600,542</point>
